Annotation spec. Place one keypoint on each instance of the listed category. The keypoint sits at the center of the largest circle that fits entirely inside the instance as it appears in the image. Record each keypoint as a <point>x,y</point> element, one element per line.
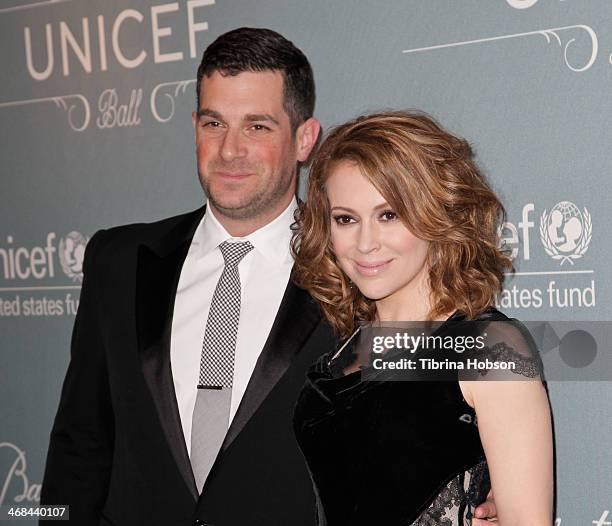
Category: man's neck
<point>243,227</point>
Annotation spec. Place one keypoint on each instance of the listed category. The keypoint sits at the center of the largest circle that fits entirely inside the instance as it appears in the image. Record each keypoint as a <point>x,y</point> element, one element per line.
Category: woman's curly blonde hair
<point>428,177</point>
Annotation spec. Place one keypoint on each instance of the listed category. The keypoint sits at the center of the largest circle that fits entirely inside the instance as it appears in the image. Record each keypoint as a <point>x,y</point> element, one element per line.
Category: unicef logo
<point>71,253</point>
<point>566,232</point>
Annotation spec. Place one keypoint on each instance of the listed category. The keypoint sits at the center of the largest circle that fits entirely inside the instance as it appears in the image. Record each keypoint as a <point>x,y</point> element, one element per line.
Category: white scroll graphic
<point>30,6</point>
<point>181,86</point>
<point>522,4</point>
<point>548,34</point>
<point>61,101</point>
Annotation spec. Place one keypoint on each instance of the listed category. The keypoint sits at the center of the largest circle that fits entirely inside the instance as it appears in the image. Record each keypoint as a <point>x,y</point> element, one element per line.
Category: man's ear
<point>306,137</point>
<point>194,119</point>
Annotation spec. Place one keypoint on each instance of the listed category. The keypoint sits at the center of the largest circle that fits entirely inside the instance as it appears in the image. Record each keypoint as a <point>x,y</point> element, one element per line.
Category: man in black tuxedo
<point>121,450</point>
<point>120,446</point>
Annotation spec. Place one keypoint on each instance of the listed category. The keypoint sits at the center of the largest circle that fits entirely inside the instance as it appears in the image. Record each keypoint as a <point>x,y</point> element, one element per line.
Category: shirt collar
<point>271,241</point>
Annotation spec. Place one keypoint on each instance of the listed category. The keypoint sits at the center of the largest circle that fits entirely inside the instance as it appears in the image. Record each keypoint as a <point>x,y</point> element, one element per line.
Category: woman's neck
<point>411,303</point>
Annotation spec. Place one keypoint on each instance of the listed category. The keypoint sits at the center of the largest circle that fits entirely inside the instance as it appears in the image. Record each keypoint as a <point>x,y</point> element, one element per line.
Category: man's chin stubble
<point>244,212</point>
<point>257,205</point>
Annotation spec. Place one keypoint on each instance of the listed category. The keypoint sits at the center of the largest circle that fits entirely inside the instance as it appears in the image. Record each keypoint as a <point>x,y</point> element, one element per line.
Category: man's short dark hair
<point>257,49</point>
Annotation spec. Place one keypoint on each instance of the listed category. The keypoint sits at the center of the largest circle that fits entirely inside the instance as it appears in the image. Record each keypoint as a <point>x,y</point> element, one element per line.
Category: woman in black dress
<point>400,225</point>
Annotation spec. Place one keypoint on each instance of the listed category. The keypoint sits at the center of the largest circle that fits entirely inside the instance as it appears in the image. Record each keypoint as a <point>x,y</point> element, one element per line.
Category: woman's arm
<point>515,428</point>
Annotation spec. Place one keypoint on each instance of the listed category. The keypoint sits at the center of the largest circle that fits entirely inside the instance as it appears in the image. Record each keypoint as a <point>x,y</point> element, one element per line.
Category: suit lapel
<point>158,270</point>
<point>297,317</point>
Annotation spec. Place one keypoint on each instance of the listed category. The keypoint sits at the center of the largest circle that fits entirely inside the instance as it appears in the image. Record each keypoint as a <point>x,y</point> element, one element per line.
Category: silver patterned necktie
<point>211,412</point>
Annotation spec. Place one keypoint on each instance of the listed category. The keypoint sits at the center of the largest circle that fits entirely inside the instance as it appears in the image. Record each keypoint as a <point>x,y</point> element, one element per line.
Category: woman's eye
<point>388,215</point>
<point>343,220</point>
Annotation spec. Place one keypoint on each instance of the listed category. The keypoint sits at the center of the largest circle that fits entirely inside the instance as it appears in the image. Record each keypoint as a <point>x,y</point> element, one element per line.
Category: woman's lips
<point>371,269</point>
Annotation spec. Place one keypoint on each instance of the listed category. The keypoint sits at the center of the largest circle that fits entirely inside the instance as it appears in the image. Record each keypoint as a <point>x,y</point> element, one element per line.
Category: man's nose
<point>233,146</point>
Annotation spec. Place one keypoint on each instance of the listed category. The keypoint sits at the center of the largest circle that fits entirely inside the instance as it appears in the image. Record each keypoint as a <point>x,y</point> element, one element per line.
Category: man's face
<point>246,151</point>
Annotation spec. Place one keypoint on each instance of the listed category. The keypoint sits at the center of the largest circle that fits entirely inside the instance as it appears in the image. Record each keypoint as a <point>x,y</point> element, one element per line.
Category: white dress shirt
<point>264,274</point>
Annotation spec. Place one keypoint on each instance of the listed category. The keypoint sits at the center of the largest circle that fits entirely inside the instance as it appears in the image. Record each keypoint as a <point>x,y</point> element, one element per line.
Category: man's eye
<point>211,124</point>
<point>259,127</point>
<point>388,215</point>
<point>343,220</point>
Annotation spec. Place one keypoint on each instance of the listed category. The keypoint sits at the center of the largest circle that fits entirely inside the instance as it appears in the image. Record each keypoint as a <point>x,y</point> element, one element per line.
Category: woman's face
<point>372,246</point>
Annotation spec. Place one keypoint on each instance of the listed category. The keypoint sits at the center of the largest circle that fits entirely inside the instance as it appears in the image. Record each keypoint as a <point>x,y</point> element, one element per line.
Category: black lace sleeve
<point>510,353</point>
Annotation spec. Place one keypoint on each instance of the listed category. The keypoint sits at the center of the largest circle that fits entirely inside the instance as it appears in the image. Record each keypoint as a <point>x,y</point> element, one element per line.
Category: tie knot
<point>234,252</point>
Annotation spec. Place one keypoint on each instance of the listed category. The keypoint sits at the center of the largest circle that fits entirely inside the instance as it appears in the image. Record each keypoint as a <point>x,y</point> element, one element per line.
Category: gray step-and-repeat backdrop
<point>95,127</point>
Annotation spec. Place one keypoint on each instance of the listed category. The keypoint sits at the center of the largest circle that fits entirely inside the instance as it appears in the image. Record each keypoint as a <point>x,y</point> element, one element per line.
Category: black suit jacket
<point>117,454</point>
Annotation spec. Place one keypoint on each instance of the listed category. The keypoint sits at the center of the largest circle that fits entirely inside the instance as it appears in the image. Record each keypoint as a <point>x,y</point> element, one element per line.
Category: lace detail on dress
<point>528,365</point>
<point>454,505</point>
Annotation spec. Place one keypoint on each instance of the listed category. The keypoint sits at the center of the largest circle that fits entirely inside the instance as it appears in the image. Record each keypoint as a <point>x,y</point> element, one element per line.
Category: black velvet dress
<point>386,452</point>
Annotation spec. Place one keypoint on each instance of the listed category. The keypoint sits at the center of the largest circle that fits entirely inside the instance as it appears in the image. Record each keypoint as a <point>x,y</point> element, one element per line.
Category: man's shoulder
<point>127,237</point>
